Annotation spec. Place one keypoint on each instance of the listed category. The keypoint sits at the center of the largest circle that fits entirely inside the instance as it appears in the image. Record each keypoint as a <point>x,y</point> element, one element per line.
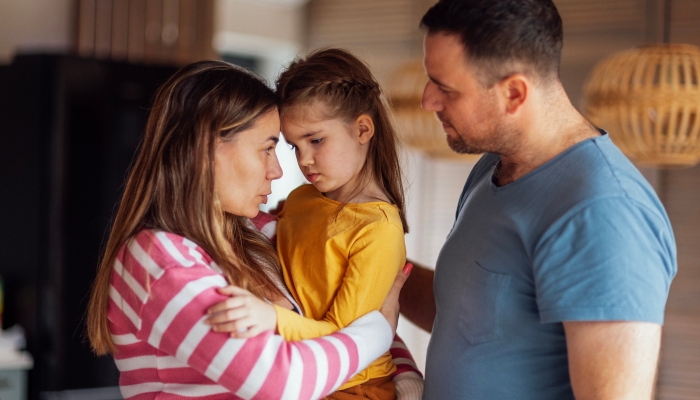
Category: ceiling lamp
<point>648,99</point>
<point>417,128</point>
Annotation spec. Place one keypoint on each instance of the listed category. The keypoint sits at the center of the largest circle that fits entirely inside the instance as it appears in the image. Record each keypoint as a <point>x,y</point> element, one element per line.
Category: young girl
<point>341,239</point>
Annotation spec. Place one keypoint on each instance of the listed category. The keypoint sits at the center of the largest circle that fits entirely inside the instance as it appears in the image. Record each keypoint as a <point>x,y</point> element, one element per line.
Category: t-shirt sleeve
<point>612,259</point>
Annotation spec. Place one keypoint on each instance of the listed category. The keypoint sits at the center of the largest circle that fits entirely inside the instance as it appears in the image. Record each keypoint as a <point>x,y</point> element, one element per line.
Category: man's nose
<point>431,98</point>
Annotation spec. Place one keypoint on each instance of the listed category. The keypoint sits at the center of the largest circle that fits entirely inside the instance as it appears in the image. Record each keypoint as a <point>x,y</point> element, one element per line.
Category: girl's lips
<point>312,177</point>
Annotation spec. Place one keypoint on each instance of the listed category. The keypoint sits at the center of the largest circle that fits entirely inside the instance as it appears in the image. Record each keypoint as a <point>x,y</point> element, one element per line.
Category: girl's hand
<point>243,314</point>
<point>390,308</point>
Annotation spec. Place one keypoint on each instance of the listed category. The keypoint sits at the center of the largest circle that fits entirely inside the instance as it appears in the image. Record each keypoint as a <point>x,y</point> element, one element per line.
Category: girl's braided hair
<point>345,88</point>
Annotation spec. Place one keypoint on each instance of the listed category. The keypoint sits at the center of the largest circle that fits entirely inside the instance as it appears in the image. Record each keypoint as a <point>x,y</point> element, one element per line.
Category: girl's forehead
<point>311,111</point>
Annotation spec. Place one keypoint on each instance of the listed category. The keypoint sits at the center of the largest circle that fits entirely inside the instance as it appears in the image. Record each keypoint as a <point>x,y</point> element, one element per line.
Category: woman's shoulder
<point>158,250</point>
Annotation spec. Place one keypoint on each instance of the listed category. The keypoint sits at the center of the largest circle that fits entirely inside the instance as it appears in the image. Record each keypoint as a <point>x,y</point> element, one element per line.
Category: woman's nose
<point>274,171</point>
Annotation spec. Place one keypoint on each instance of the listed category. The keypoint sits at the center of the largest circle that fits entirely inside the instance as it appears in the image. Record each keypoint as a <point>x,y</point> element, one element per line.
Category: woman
<point>182,231</point>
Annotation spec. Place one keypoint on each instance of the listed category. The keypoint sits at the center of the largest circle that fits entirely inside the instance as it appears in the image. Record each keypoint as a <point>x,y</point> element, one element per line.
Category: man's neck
<point>543,140</point>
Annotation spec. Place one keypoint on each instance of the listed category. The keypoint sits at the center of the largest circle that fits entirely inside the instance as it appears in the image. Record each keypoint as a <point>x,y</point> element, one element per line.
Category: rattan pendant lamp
<point>418,128</point>
<point>648,99</point>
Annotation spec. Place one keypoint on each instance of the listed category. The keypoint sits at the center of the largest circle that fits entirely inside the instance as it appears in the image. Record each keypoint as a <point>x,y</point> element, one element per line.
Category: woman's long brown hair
<point>171,184</point>
<point>346,87</point>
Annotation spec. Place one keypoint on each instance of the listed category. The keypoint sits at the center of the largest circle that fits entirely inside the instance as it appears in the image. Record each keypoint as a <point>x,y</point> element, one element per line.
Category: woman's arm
<point>165,296</point>
<point>265,366</point>
<point>406,369</point>
<point>407,378</point>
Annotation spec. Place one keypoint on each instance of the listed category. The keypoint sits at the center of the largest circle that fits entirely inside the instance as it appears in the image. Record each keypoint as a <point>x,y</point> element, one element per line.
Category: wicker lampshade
<point>418,128</point>
<point>648,99</point>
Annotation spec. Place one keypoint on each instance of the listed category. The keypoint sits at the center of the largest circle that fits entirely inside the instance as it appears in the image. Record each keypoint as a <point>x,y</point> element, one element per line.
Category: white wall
<point>33,26</point>
<point>273,31</point>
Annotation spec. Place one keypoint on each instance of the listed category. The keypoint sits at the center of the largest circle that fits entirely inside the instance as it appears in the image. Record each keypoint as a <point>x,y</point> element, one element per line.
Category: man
<point>553,281</point>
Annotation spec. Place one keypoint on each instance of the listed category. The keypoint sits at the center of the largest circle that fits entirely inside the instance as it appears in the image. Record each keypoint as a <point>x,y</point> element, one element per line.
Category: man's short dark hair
<point>503,36</point>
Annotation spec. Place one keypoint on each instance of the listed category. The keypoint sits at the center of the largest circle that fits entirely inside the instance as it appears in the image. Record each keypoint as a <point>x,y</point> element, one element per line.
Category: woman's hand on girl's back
<point>390,308</point>
<point>243,314</point>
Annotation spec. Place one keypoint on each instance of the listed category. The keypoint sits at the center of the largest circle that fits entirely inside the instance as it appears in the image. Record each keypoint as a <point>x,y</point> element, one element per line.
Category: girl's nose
<point>305,158</point>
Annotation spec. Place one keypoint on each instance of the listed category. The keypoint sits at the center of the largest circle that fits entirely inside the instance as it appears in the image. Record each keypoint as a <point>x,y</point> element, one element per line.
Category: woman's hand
<point>243,314</point>
<point>390,308</point>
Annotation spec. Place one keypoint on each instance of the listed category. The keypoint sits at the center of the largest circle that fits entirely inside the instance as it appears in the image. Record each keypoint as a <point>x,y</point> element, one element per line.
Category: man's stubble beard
<point>495,138</point>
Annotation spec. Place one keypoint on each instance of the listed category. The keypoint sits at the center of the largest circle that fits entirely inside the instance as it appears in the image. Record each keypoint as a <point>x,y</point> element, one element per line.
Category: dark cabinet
<point>69,128</point>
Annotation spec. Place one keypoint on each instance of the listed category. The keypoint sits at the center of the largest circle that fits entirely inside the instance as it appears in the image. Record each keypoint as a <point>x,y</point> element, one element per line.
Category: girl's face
<point>246,165</point>
<point>330,152</point>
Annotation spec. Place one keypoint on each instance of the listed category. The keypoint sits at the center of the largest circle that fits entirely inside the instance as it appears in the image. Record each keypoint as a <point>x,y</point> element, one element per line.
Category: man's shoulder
<point>597,169</point>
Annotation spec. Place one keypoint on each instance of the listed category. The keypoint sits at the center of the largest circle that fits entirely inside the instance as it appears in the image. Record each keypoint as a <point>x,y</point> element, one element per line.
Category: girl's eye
<point>316,141</point>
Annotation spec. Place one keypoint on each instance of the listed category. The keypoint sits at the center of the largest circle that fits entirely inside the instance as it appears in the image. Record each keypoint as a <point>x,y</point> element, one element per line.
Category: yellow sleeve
<point>374,260</point>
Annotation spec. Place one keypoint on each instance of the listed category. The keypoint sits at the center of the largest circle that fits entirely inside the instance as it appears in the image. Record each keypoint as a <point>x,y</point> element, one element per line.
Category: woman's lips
<point>264,198</point>
<point>312,177</point>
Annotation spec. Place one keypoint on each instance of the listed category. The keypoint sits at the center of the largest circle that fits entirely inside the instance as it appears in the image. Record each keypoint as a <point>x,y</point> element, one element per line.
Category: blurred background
<point>76,80</point>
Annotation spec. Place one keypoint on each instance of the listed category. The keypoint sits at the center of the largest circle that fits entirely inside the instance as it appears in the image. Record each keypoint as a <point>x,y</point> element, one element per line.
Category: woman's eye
<point>316,141</point>
<point>269,149</point>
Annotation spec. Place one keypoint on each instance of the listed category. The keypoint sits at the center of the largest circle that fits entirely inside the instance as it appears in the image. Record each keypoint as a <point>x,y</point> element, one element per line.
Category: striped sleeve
<point>266,366</point>
<point>267,225</point>
<point>407,378</point>
<point>405,364</point>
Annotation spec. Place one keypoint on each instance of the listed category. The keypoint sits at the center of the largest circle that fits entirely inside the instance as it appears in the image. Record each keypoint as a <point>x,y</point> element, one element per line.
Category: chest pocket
<point>482,305</point>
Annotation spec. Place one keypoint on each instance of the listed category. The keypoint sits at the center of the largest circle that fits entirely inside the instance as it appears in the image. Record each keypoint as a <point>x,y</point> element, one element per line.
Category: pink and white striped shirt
<point>161,287</point>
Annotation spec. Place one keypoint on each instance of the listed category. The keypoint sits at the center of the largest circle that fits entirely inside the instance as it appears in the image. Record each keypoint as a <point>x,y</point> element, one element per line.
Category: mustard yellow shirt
<point>339,264</point>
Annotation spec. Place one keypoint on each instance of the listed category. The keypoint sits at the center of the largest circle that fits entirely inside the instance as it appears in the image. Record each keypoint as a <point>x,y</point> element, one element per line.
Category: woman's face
<point>246,165</point>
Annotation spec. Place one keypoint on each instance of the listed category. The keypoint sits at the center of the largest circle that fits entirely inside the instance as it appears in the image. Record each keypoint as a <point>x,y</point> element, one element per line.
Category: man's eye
<point>316,141</point>
<point>291,146</point>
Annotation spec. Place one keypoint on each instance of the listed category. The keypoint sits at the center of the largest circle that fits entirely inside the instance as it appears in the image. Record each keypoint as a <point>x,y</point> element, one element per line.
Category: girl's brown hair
<point>346,87</point>
<point>171,184</point>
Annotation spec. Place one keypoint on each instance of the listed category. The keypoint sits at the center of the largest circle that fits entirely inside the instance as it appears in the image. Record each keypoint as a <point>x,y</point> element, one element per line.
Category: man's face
<point>469,112</point>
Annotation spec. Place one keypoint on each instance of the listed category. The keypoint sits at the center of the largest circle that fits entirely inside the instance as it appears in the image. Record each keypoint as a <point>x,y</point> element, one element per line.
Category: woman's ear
<point>365,127</point>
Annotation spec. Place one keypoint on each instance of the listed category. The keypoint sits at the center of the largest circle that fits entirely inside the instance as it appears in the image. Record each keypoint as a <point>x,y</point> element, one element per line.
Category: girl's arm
<point>406,369</point>
<point>374,259</point>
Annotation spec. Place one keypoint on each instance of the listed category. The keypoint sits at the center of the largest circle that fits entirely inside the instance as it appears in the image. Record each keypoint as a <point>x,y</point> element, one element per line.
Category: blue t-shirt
<point>581,238</point>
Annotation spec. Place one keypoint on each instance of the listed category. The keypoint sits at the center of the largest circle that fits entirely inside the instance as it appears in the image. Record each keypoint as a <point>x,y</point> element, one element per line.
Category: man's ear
<point>515,90</point>
<point>365,127</point>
